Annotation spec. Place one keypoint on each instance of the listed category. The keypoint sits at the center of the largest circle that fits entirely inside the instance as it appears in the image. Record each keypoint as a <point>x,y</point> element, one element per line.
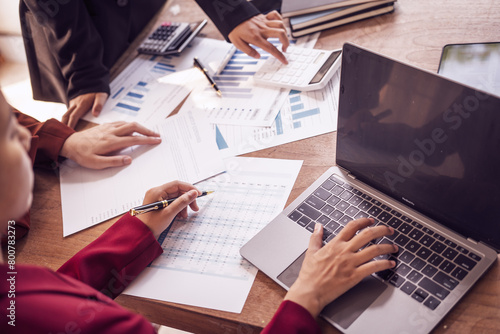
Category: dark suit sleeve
<point>112,261</point>
<point>74,43</point>
<point>227,14</point>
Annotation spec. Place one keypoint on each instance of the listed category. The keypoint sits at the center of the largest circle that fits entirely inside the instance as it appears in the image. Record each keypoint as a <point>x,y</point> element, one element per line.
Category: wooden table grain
<point>415,33</point>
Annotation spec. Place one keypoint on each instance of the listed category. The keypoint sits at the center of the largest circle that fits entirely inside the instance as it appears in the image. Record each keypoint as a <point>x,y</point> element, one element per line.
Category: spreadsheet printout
<point>201,264</point>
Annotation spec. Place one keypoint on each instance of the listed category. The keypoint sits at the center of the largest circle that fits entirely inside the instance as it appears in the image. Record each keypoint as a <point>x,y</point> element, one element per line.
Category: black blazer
<point>71,44</point>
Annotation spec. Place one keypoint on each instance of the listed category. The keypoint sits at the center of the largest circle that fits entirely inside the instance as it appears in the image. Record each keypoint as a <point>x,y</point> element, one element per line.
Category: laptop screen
<point>428,142</point>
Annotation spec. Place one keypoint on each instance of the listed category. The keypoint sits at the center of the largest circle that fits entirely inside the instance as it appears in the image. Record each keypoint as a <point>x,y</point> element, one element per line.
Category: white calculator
<point>307,69</point>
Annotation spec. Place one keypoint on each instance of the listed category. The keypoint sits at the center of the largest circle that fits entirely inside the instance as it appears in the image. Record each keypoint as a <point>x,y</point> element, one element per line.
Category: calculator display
<point>324,69</point>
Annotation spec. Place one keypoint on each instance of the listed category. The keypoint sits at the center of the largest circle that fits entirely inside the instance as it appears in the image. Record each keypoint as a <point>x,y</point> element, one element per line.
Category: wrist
<point>306,298</point>
<point>65,151</point>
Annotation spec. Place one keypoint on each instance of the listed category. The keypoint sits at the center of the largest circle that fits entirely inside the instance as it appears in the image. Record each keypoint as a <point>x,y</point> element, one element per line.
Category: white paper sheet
<point>304,115</point>
<point>142,92</point>
<point>187,152</point>
<point>242,103</point>
<point>201,264</point>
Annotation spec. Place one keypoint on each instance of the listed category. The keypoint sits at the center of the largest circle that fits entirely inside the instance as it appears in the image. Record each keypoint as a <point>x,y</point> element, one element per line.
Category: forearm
<point>291,318</point>
<point>48,138</point>
<point>113,260</point>
<point>227,14</point>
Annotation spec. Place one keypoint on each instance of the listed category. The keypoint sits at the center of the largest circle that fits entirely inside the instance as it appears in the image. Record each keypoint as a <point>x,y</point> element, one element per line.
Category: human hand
<point>256,31</point>
<point>93,148</point>
<point>327,272</point>
<point>159,220</point>
<point>81,104</point>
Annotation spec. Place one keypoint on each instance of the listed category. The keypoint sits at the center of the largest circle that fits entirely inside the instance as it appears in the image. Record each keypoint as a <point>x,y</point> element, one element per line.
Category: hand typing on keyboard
<point>327,272</point>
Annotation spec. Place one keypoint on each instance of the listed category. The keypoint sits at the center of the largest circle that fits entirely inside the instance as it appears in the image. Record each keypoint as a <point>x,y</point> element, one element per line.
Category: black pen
<point>205,71</point>
<point>158,205</point>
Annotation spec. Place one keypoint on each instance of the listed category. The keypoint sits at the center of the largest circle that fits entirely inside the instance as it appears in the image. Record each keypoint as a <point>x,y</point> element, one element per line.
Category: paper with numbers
<point>201,264</point>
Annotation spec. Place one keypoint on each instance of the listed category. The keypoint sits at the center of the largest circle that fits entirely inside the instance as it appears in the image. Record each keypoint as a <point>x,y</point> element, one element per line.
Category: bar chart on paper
<point>303,115</point>
<point>132,100</point>
<point>201,254</point>
<point>140,93</point>
<point>242,102</point>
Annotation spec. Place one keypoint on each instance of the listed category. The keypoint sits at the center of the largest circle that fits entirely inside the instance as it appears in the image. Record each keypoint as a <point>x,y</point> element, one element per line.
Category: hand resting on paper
<point>79,106</point>
<point>159,220</point>
<point>327,272</point>
<point>256,31</point>
<point>94,148</point>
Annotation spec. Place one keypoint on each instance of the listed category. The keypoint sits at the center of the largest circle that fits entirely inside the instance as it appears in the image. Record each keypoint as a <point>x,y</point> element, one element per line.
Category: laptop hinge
<point>351,176</point>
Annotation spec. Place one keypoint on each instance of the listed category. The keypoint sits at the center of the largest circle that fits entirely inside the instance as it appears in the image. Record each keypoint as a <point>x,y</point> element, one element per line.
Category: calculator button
<point>277,77</point>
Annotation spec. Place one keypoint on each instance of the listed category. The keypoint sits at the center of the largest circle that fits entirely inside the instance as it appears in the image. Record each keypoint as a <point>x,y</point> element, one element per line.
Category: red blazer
<point>46,142</point>
<point>78,297</point>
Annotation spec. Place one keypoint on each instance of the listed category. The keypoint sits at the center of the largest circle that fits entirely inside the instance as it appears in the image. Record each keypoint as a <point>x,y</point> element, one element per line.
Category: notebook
<point>418,152</point>
<point>291,8</point>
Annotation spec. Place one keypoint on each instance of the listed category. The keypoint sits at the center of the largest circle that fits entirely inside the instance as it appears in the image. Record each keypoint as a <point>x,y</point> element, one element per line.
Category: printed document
<point>143,93</point>
<point>303,115</point>
<point>187,153</point>
<point>201,264</point>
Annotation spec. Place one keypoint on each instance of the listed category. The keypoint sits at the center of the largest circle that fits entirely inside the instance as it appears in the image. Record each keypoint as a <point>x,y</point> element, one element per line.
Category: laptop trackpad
<point>348,307</point>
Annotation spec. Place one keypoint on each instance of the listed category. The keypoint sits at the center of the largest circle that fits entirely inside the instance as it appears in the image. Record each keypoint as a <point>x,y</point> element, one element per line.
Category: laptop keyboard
<point>429,266</point>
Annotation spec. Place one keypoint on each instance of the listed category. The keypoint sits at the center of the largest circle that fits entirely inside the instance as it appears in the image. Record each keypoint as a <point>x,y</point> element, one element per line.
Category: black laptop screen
<point>430,143</point>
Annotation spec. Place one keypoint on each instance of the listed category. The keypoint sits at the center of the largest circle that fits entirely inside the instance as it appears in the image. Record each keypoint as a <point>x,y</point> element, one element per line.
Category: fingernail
<point>127,160</point>
<point>393,263</point>
<point>391,229</point>
<point>317,227</point>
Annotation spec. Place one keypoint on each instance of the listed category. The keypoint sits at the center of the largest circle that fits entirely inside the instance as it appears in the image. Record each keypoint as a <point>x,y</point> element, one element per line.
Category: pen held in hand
<point>202,68</point>
<point>158,205</point>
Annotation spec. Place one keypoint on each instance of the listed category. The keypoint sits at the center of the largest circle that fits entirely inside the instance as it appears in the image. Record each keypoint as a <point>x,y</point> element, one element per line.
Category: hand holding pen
<point>185,195</point>
<point>158,205</point>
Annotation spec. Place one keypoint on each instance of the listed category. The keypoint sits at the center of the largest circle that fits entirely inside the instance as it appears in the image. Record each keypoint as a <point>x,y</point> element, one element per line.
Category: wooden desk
<point>415,33</point>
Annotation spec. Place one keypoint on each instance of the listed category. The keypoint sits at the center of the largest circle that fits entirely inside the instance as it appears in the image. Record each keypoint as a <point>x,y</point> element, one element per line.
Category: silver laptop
<point>417,152</point>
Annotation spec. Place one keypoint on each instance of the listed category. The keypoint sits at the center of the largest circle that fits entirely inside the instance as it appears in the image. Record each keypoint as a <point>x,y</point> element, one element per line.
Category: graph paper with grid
<point>201,264</point>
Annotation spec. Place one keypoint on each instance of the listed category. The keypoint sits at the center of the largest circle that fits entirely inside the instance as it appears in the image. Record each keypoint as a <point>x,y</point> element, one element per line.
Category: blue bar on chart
<point>238,70</point>
<point>163,66</point>
<point>219,139</point>
<point>298,109</point>
<point>130,104</point>
<point>306,113</point>
<point>279,124</point>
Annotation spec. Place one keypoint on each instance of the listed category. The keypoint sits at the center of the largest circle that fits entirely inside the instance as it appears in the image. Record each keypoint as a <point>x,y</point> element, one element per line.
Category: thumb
<point>183,201</point>
<point>100,99</point>
<point>316,240</point>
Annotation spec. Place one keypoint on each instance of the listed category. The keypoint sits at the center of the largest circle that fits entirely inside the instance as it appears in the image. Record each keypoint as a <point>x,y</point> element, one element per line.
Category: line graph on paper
<point>208,242</point>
